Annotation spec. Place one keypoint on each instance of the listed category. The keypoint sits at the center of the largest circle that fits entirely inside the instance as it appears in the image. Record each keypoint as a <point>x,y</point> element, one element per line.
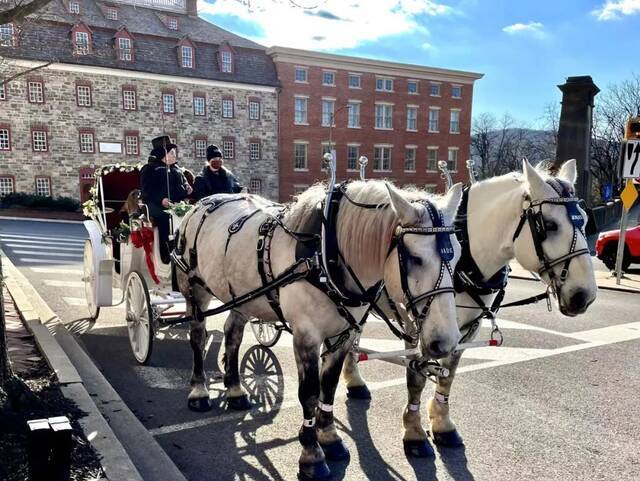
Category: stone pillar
<point>574,133</point>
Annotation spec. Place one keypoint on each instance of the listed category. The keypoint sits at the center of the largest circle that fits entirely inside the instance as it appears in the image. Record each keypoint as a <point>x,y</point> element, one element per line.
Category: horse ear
<point>569,171</point>
<point>406,212</point>
<point>452,200</point>
<point>535,185</point>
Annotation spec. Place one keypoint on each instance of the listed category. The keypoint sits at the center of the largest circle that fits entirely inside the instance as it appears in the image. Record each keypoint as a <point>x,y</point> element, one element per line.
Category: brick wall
<point>64,119</point>
<point>367,135</point>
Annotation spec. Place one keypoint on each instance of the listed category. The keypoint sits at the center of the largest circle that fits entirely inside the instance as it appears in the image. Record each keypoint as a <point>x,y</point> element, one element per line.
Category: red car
<point>607,247</point>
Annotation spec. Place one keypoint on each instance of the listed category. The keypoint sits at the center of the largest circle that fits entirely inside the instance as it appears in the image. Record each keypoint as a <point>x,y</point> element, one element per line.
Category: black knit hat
<point>213,152</point>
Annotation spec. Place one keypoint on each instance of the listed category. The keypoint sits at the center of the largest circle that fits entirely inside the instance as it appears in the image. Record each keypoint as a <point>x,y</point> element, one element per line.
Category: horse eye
<point>550,225</point>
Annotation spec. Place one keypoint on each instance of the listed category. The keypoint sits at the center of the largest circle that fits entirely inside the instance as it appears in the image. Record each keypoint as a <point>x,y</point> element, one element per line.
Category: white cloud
<point>333,24</point>
<point>533,28</point>
<point>614,8</point>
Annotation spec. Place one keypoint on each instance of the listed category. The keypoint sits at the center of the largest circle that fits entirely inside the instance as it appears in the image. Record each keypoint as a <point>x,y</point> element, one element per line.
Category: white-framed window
<point>111,13</point>
<point>74,7</point>
<point>228,148</point>
<point>434,90</point>
<point>129,99</point>
<point>124,49</point>
<point>432,159</point>
<point>434,124</point>
<point>299,188</point>
<point>5,139</point>
<point>83,95</point>
<point>353,119</point>
<point>328,106</point>
<point>254,110</point>
<point>410,158</point>
<point>199,105</point>
<point>172,23</point>
<point>131,144</point>
<point>7,37</point>
<point>454,122</point>
<point>36,92</point>
<point>412,118</point>
<point>382,158</point>
<point>300,158</point>
<point>3,91</point>
<point>456,91</point>
<point>82,43</point>
<point>227,62</point>
<point>86,143</point>
<point>384,84</point>
<point>355,81</point>
<point>412,87</point>
<point>384,116</point>
<point>255,186</point>
<point>254,151</point>
<point>39,140</point>
<point>431,188</point>
<point>452,159</point>
<point>301,75</point>
<point>43,186</point>
<point>200,147</point>
<point>6,185</point>
<point>300,110</point>
<point>353,154</point>
<point>227,108</point>
<point>328,78</point>
<point>187,56</point>
<point>168,103</point>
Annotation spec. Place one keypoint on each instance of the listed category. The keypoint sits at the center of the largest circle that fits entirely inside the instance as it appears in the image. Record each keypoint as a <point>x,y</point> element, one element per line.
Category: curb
<point>144,459</point>
<point>31,219</point>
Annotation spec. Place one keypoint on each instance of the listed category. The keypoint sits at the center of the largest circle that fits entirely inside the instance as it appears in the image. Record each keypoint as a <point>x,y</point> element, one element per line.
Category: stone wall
<point>64,120</point>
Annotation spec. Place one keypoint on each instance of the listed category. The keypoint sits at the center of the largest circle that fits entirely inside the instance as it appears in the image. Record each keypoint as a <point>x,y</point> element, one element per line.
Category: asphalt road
<point>559,401</point>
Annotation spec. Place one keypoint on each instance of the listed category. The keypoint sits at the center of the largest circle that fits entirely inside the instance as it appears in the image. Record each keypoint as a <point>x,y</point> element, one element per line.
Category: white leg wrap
<point>413,407</point>
<point>441,398</point>
<point>328,408</point>
<point>309,423</point>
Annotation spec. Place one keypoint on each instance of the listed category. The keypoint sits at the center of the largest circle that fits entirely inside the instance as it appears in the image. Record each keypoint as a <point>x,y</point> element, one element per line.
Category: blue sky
<point>524,48</point>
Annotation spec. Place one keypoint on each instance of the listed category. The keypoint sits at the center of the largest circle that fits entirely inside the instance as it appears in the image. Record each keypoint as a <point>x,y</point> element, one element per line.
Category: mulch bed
<point>40,214</point>
<point>42,398</point>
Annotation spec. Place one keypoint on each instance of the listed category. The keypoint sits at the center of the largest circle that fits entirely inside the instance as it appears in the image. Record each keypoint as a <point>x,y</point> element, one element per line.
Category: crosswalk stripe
<point>46,238</point>
<point>48,254</point>
<point>53,270</point>
<point>57,283</point>
<point>75,301</point>
<point>43,247</point>
<point>42,242</point>
<point>29,260</point>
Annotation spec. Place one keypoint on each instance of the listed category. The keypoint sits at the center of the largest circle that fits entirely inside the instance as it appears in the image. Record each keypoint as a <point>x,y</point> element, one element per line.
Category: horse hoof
<point>418,448</point>
<point>449,439</point>
<point>335,451</point>
<point>358,392</point>
<point>318,471</point>
<point>239,403</point>
<point>200,405</point>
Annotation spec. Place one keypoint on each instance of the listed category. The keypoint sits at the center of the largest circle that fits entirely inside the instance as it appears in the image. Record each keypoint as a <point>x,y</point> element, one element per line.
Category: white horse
<point>370,241</point>
<point>498,232</point>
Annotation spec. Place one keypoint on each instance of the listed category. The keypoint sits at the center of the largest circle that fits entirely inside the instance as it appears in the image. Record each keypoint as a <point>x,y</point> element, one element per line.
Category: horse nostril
<point>436,348</point>
<point>578,301</point>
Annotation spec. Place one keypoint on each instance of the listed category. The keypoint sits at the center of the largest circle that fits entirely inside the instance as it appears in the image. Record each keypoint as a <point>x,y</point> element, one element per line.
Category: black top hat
<point>163,142</point>
<point>213,152</point>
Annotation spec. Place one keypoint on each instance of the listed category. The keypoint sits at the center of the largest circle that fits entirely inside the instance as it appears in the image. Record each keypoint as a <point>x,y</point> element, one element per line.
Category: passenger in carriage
<point>215,178</point>
<point>163,183</point>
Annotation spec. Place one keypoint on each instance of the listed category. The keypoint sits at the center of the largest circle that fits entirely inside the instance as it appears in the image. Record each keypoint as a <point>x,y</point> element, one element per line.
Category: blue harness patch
<point>443,239</point>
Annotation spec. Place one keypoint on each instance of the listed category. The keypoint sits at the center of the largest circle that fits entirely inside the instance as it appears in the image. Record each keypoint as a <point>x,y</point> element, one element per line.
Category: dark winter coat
<point>153,183</point>
<point>209,182</point>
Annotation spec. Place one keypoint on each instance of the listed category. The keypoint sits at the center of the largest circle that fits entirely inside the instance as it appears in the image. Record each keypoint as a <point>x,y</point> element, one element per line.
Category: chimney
<point>192,7</point>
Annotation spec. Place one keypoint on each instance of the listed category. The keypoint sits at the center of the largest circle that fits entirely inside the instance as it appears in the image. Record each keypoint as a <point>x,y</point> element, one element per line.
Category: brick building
<point>404,118</point>
<point>119,73</point>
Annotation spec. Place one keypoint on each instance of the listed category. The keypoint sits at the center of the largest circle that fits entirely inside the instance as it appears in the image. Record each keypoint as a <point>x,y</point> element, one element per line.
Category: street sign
<point>631,159</point>
<point>629,195</point>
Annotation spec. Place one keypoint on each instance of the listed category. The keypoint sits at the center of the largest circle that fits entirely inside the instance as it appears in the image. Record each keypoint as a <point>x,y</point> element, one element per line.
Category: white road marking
<point>30,237</point>
<point>36,243</point>
<point>43,247</point>
<point>48,254</point>
<point>75,301</point>
<point>49,261</point>
<point>53,270</point>
<point>57,283</point>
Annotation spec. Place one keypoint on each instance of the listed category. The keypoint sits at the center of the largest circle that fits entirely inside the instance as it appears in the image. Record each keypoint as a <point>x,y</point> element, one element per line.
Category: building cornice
<point>379,67</point>
<point>134,74</point>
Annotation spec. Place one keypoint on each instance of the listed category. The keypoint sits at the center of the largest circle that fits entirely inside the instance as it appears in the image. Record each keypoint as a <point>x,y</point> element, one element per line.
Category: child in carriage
<point>163,183</point>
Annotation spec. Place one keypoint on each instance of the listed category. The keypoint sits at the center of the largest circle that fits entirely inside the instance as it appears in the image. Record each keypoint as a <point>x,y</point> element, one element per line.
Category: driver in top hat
<point>215,178</point>
<point>163,183</point>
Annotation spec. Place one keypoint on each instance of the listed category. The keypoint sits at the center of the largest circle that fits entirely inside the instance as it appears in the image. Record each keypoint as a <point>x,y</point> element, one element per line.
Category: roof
<point>154,43</point>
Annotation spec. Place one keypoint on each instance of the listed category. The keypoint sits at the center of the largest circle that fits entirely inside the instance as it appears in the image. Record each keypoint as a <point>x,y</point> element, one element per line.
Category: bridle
<point>532,214</point>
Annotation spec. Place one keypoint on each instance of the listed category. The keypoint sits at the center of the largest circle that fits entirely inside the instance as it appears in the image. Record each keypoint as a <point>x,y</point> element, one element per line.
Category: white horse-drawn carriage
<point>122,263</point>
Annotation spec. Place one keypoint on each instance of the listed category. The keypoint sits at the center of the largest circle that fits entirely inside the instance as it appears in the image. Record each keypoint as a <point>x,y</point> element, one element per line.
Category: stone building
<point>100,79</point>
<point>404,118</point>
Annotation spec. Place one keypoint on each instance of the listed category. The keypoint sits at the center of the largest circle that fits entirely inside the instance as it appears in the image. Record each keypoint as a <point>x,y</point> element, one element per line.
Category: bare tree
<point>18,10</point>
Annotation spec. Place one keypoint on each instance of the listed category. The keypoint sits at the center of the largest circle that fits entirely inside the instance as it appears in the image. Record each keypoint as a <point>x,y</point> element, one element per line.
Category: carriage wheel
<point>90,281</point>
<point>139,317</point>
<point>266,333</point>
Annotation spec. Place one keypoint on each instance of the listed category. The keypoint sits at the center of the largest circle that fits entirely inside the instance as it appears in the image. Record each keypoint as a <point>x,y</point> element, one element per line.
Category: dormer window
<point>74,7</point>
<point>82,46</point>
<point>227,62</point>
<point>125,50</point>
<point>111,13</point>
<point>187,56</point>
<point>172,23</point>
<point>186,53</point>
<point>7,35</point>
